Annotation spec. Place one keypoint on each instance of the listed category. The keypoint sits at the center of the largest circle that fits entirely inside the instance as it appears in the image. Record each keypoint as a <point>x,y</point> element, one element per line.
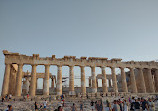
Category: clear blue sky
<point>105,28</point>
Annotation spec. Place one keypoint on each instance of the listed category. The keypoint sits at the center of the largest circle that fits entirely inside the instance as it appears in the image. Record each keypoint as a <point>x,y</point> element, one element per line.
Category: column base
<point>72,93</point>
<point>94,90</point>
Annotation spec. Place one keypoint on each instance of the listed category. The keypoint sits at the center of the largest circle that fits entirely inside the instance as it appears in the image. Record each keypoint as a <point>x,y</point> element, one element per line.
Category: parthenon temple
<point>142,76</point>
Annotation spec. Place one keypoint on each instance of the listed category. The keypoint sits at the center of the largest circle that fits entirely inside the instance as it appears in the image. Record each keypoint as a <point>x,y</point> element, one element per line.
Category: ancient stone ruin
<point>145,81</point>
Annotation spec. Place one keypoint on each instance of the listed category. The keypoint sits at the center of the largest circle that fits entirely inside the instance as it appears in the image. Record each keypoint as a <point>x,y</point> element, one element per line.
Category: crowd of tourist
<point>120,104</point>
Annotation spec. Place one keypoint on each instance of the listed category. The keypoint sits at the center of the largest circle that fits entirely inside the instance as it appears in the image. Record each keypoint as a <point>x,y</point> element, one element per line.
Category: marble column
<point>52,82</point>
<point>71,80</point>
<point>97,82</point>
<point>59,81</point>
<point>36,84</point>
<point>104,82</point>
<point>33,81</point>
<point>12,82</point>
<point>114,80</point>
<point>124,83</point>
<point>19,80</point>
<point>156,80</point>
<point>83,81</point>
<point>133,81</point>
<point>94,85</point>
<point>5,87</point>
<point>46,81</point>
<point>142,82</point>
<point>150,82</point>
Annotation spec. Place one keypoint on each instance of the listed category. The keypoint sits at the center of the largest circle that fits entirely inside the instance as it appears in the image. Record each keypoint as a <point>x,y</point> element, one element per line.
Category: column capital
<point>112,67</point>
<point>92,66</point>
<point>131,68</point>
<point>7,63</point>
<point>82,66</point>
<point>140,68</point>
<point>71,66</point>
<point>149,68</point>
<point>103,67</point>
<point>20,64</point>
<point>46,64</point>
<point>33,64</point>
<point>59,65</point>
<point>122,67</point>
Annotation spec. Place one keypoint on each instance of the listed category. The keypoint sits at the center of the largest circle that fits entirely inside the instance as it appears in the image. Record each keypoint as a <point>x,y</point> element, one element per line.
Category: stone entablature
<point>11,58</point>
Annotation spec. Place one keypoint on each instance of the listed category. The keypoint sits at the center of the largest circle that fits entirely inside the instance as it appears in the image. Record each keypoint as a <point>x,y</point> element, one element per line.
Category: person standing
<point>116,107</point>
<point>73,108</point>
<point>137,105</point>
<point>81,106</point>
<point>151,105</point>
<point>144,105</point>
<point>45,104</point>
<point>99,106</point>
<point>36,106</point>
<point>92,105</point>
<point>125,106</point>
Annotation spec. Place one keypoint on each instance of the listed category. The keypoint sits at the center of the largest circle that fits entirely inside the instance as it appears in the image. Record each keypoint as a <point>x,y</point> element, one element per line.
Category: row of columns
<point>32,91</point>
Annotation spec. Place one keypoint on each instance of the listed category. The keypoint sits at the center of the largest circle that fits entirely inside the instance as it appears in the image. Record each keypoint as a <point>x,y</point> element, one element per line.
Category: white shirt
<point>45,103</point>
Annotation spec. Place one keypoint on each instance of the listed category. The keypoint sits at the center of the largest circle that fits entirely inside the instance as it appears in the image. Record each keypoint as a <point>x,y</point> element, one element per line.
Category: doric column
<point>46,81</point>
<point>94,85</point>
<point>71,80</point>
<point>33,81</point>
<point>97,82</point>
<point>59,81</point>
<point>12,82</point>
<point>19,80</point>
<point>124,83</point>
<point>36,84</point>
<point>150,82</point>
<point>142,83</point>
<point>5,87</point>
<point>156,80</point>
<point>52,82</point>
<point>109,82</point>
<point>104,83</point>
<point>114,80</point>
<point>133,81</point>
<point>83,81</point>
<point>90,84</point>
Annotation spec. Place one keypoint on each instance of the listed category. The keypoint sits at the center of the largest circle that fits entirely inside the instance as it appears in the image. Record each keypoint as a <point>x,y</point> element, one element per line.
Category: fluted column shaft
<point>52,82</point>
<point>104,82</point>
<point>19,80</point>
<point>33,81</point>
<point>5,87</point>
<point>71,81</point>
<point>59,81</point>
<point>124,83</point>
<point>151,84</point>
<point>142,83</point>
<point>133,81</point>
<point>83,81</point>
<point>156,80</point>
<point>94,85</point>
<point>36,84</point>
<point>46,81</point>
<point>114,80</point>
<point>12,82</point>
